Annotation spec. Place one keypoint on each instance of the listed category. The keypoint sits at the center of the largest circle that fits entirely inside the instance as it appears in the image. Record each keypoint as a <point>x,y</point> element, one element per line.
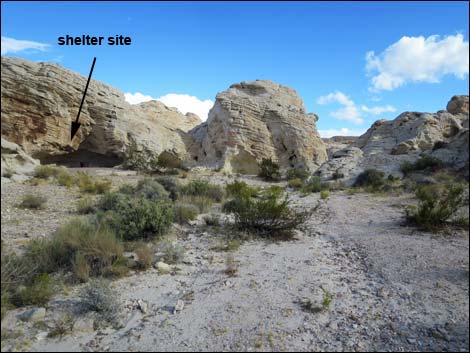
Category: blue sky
<point>352,63</point>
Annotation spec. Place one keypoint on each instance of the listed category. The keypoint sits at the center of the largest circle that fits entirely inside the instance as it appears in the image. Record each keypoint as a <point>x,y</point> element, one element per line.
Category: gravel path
<point>392,289</point>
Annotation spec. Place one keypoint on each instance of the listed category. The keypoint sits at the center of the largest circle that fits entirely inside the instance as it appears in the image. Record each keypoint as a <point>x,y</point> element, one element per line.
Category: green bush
<point>425,162</point>
<point>437,204</point>
<point>37,293</point>
<point>171,185</point>
<point>46,171</point>
<point>372,178</point>
<point>203,188</point>
<point>296,183</point>
<point>64,178</point>
<point>240,189</point>
<point>324,194</point>
<point>85,206</point>
<point>8,173</point>
<point>297,173</point>
<point>202,203</point>
<point>97,244</point>
<point>88,184</point>
<point>185,213</point>
<point>150,189</point>
<point>314,184</point>
<point>136,217</point>
<point>33,201</point>
<point>266,215</point>
<point>269,170</point>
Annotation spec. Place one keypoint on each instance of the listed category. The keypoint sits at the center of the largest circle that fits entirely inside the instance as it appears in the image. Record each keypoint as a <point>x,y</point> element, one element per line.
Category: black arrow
<point>76,124</point>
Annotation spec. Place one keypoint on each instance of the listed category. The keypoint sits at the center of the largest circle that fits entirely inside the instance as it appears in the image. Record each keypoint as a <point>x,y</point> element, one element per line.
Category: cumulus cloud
<point>11,45</point>
<point>183,102</point>
<point>418,59</point>
<point>136,98</point>
<point>350,111</point>
<point>340,132</point>
<point>379,110</point>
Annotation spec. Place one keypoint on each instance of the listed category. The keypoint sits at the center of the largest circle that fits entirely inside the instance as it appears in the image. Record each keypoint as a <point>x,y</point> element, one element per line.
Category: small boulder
<point>34,315</point>
<point>162,267</point>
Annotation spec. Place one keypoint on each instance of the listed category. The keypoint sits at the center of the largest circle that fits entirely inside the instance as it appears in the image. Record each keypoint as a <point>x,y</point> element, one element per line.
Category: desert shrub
<point>37,293</point>
<point>269,170</point>
<point>173,253</point>
<point>98,296</point>
<point>33,202</point>
<point>297,173</point>
<point>85,205</point>
<point>171,185</point>
<point>150,189</point>
<point>324,194</point>
<point>5,305</point>
<point>240,189</point>
<point>64,178</point>
<point>437,204</point>
<point>203,188</point>
<point>145,256</point>
<point>314,184</point>
<point>46,171</point>
<point>167,160</point>
<point>88,184</point>
<point>97,244</point>
<point>392,178</point>
<point>231,266</point>
<point>80,267</point>
<point>134,218</point>
<point>212,219</point>
<point>202,203</point>
<point>185,213</point>
<point>267,215</point>
<point>372,178</point>
<point>295,183</point>
<point>425,162</point>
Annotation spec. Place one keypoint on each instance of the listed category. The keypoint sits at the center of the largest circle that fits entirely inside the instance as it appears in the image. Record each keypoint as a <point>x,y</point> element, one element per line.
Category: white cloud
<point>340,132</point>
<point>349,112</point>
<point>10,45</point>
<point>136,98</point>
<point>418,59</point>
<point>379,110</point>
<point>183,102</point>
<point>186,103</point>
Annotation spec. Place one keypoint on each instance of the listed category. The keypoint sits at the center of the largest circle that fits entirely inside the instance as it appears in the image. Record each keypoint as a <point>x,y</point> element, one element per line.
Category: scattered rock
<point>162,267</point>
<point>83,325</point>
<point>34,315</point>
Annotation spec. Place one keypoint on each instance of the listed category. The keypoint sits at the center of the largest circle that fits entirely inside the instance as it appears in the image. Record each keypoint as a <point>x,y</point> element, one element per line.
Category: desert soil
<point>393,288</point>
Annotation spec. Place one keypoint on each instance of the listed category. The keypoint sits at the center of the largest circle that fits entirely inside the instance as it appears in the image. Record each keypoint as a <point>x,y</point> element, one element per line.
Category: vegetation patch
<point>269,170</point>
<point>437,205</point>
<point>267,214</point>
<point>425,162</point>
<point>33,201</point>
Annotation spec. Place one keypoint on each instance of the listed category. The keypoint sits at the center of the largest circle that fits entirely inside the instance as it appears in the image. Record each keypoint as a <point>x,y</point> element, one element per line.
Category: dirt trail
<point>392,289</point>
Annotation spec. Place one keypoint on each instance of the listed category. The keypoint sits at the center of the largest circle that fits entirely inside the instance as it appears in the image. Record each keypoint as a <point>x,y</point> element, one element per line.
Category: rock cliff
<point>255,120</point>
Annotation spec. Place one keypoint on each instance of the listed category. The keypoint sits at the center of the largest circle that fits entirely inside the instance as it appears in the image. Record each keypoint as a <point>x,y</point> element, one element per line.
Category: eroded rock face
<point>40,100</point>
<point>255,120</point>
<point>388,143</point>
<point>15,160</point>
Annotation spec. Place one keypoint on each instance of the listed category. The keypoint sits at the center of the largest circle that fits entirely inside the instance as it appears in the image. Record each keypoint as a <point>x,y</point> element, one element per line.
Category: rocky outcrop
<point>387,144</point>
<point>40,100</point>
<point>255,120</point>
<point>16,164</point>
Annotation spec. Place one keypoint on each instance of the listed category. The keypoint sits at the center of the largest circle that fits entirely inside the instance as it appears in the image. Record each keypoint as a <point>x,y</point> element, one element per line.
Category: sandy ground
<point>393,288</point>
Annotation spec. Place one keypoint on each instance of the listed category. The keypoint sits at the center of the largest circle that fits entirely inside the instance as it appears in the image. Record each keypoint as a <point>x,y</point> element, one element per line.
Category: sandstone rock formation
<point>387,144</point>
<point>39,101</point>
<point>15,162</point>
<point>255,120</point>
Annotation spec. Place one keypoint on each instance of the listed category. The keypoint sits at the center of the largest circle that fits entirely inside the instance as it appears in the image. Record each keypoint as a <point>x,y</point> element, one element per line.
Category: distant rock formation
<point>40,100</point>
<point>387,143</point>
<point>255,120</point>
